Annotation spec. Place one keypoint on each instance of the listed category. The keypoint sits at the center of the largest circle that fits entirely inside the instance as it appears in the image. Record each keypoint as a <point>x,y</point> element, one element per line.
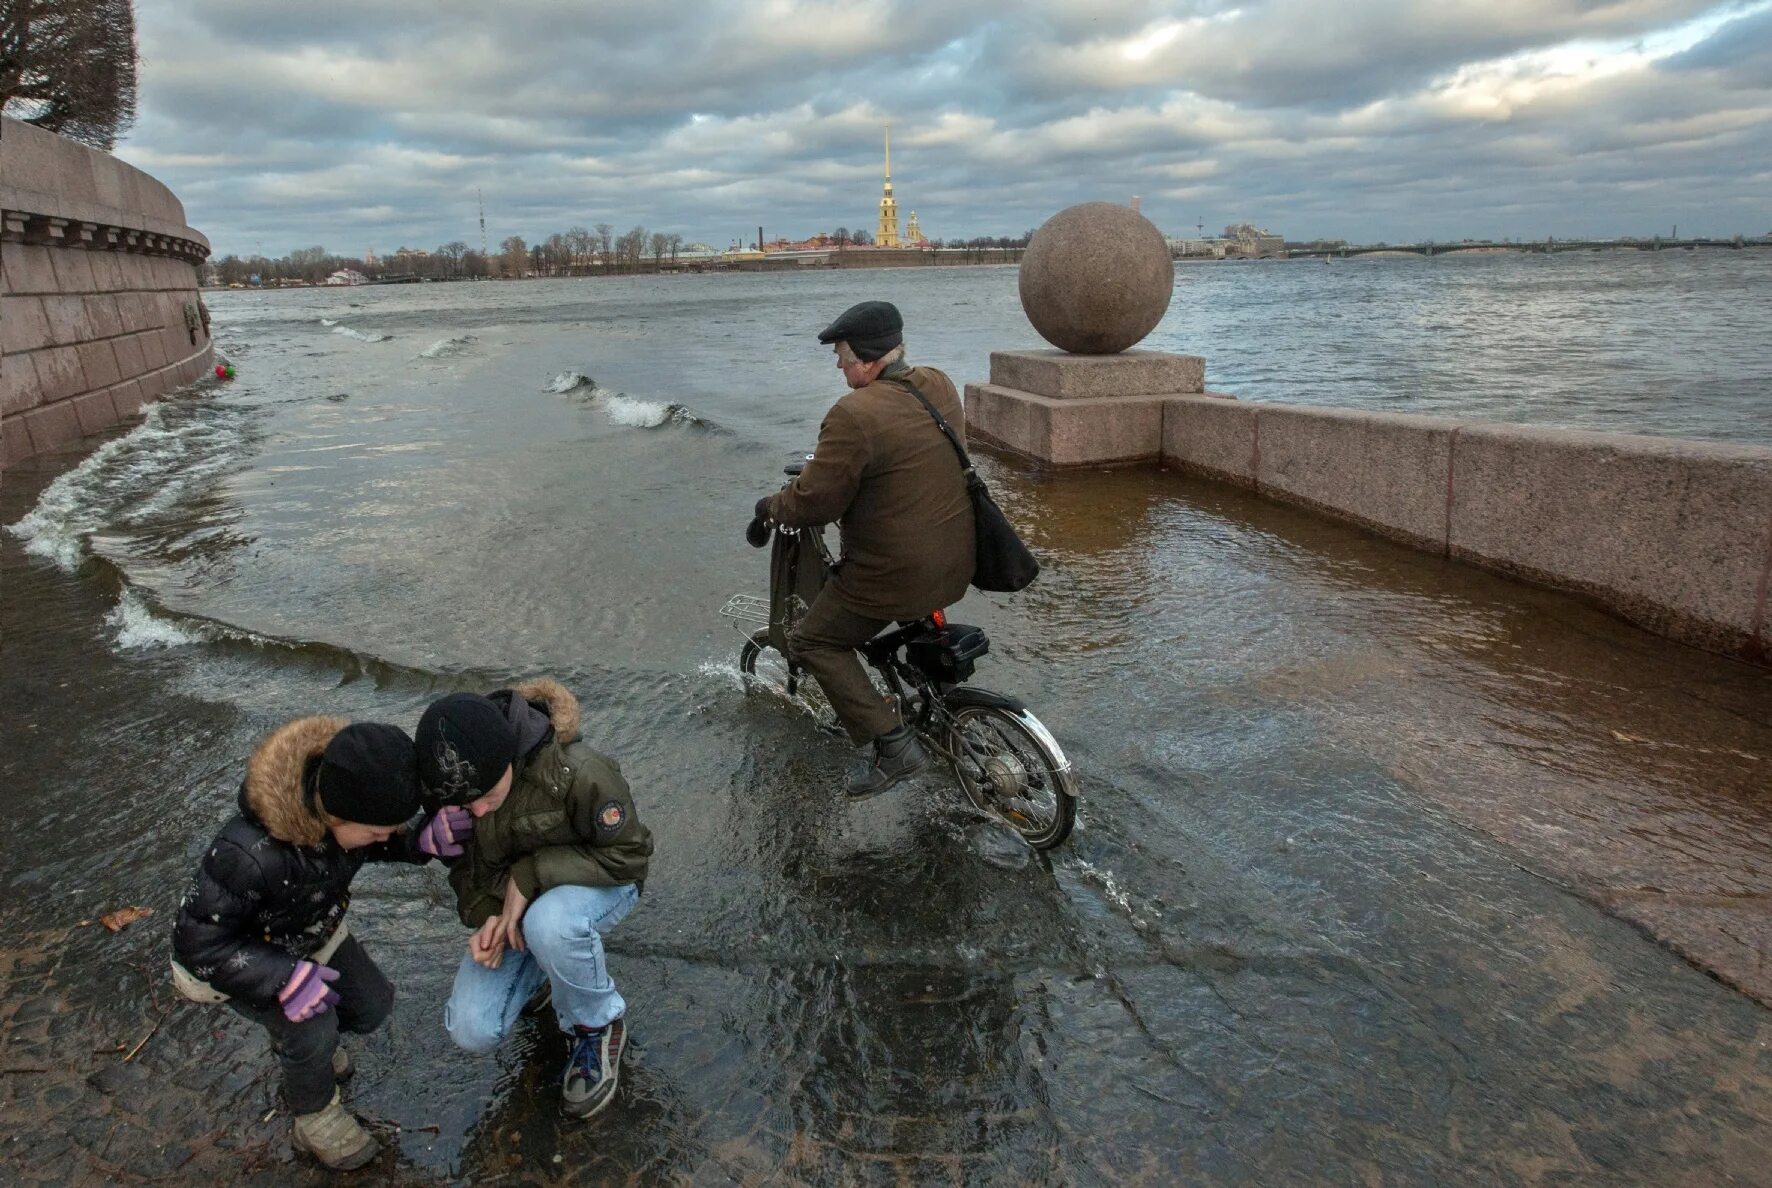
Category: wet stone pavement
<point>1367,886</point>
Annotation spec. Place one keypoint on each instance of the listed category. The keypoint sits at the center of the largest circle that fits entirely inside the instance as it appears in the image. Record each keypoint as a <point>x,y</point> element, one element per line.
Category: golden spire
<point>889,156</point>
<point>887,235</point>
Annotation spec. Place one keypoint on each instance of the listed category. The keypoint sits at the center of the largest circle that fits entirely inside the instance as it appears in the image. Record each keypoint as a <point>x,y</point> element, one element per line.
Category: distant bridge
<point>1547,246</point>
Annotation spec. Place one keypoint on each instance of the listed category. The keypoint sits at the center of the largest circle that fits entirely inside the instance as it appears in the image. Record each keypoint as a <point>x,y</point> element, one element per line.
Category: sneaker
<point>540,1000</point>
<point>897,756</point>
<point>593,1069</point>
<point>342,1068</point>
<point>334,1137</point>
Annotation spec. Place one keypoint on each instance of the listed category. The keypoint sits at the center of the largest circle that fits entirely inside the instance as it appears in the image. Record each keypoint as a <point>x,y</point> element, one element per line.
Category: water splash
<point>568,381</point>
<point>177,449</point>
<point>648,414</point>
<point>444,348</point>
<point>361,335</point>
<point>138,626</point>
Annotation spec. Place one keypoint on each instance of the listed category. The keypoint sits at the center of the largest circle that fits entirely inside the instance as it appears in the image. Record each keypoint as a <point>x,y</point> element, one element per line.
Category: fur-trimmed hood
<point>272,791</point>
<point>563,712</point>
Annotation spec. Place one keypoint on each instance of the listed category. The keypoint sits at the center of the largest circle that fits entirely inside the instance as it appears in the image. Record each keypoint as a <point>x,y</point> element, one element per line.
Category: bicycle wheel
<point>766,668</point>
<point>1012,769</point>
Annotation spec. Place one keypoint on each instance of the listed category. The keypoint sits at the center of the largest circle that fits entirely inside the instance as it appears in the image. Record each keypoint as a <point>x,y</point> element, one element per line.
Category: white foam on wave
<point>568,381</point>
<point>138,626</point>
<point>443,348</point>
<point>360,335</point>
<point>126,480</point>
<point>329,321</point>
<point>647,414</point>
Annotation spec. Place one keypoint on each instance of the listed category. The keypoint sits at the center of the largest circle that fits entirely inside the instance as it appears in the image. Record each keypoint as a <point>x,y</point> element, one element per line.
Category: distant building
<point>1248,240</point>
<point>347,276</point>
<point>887,235</point>
<point>913,233</point>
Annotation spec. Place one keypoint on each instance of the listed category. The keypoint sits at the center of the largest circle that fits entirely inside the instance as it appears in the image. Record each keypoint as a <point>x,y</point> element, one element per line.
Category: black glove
<point>761,511</point>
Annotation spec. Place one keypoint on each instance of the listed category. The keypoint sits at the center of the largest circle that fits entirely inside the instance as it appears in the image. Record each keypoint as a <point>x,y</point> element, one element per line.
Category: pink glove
<point>443,834</point>
<point>306,993</point>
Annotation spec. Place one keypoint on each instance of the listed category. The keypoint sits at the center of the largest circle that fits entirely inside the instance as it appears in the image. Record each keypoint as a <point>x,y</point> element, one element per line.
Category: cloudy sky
<point>359,123</point>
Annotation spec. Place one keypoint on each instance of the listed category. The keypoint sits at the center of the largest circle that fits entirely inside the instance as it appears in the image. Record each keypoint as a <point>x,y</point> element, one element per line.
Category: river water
<point>1387,869</point>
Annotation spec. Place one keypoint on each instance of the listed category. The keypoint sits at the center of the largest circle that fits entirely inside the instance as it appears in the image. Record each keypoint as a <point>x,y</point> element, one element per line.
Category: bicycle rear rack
<point>746,608</point>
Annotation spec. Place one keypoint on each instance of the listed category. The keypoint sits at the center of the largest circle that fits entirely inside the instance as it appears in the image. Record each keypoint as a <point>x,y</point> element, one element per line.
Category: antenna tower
<point>482,201</point>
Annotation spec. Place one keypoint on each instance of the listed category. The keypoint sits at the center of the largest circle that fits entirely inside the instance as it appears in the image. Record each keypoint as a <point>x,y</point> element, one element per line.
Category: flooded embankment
<point>1387,869</point>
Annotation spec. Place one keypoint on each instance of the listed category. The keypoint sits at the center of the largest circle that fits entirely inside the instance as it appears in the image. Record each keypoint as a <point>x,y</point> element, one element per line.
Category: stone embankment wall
<point>1672,534</point>
<point>98,292</point>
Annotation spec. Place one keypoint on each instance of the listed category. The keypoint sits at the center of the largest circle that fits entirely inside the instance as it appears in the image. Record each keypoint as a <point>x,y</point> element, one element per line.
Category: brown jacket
<point>885,471</point>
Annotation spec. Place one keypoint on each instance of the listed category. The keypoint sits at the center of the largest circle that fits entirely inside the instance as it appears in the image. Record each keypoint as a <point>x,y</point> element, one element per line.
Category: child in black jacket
<point>262,925</point>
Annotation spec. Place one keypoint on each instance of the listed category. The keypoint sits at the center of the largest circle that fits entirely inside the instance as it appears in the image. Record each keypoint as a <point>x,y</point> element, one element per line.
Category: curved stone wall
<point>99,311</point>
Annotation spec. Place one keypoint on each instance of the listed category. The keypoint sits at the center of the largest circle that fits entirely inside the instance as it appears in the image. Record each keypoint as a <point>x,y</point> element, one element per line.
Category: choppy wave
<point>329,321</point>
<point>177,449</point>
<point>648,414</point>
<point>361,335</point>
<point>137,625</point>
<point>568,381</point>
<point>443,348</point>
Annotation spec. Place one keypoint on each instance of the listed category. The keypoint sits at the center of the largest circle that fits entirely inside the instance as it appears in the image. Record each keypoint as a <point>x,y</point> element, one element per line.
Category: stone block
<point>1069,377</point>
<point>23,325</point>
<point>66,317</point>
<point>137,312</point>
<point>52,426</point>
<point>94,411</point>
<point>73,270</point>
<point>19,389</point>
<point>127,399</point>
<point>153,384</point>
<point>30,158</point>
<point>153,348</point>
<point>99,362</point>
<point>1210,435</point>
<point>26,268</point>
<point>1386,471</point>
<point>1072,432</point>
<point>102,315</point>
<point>58,373</point>
<point>130,360</point>
<point>1675,535</point>
<point>15,442</point>
<point>107,273</point>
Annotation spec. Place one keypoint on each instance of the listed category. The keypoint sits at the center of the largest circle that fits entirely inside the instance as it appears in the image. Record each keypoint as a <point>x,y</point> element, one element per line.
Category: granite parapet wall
<point>1674,535</point>
<point>99,309</point>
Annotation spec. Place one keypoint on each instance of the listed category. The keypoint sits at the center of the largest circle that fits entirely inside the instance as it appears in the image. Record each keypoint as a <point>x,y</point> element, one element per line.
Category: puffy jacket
<point>273,885</point>
<point>569,820</point>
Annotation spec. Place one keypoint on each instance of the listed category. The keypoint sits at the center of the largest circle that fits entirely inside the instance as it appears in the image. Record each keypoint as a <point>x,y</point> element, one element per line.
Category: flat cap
<point>871,329</point>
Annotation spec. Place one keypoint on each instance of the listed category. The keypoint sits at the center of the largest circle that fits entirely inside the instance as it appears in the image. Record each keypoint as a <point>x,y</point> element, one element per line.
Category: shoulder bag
<point>1001,562</point>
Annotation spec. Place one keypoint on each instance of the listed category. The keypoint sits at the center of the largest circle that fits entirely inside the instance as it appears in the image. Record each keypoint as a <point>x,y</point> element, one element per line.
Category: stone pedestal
<point>1080,410</point>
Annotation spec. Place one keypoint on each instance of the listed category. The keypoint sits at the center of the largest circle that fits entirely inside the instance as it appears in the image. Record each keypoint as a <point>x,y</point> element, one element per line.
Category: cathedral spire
<point>887,235</point>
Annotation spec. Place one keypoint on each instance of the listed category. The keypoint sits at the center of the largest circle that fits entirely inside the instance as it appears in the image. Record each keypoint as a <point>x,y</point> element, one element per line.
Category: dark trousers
<point>304,1049</point>
<point>824,643</point>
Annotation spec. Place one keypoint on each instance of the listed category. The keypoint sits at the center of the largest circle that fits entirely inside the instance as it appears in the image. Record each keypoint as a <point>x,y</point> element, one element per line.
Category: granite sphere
<point>1096,278</point>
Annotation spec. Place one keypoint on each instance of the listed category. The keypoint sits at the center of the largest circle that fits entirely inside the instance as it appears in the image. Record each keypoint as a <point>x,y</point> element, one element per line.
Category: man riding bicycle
<point>885,473</point>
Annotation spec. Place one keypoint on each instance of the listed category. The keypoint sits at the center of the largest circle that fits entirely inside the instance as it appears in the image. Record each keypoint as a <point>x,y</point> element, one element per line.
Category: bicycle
<point>1004,758</point>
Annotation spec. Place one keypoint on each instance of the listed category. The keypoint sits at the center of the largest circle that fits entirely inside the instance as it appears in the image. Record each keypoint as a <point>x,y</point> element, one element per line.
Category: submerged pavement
<point>1385,873</point>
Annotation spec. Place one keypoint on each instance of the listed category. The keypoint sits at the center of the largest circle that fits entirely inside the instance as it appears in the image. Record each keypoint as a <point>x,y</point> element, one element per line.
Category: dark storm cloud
<point>374,122</point>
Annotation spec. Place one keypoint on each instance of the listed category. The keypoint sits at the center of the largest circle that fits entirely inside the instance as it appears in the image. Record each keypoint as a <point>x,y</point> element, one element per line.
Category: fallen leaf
<point>122,918</point>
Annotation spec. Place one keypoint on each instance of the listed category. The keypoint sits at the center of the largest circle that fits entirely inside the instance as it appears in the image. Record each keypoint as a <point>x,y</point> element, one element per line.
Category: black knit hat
<point>465,743</point>
<point>369,774</point>
<point>871,329</point>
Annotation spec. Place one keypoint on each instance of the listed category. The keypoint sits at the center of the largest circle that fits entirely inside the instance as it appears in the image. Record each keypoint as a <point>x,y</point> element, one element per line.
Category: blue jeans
<point>563,930</point>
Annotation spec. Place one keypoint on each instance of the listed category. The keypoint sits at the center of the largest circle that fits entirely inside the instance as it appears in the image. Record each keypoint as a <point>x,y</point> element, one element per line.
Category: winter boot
<point>342,1068</point>
<point>593,1068</point>
<point>897,756</point>
<point>334,1137</point>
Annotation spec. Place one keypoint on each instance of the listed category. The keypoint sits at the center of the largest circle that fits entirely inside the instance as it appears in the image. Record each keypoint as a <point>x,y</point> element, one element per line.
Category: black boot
<point>897,756</point>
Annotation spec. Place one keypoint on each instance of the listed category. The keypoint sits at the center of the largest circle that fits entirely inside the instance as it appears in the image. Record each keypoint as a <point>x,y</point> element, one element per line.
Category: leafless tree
<point>840,237</point>
<point>660,244</point>
<point>69,66</point>
<point>630,247</point>
<point>513,255</point>
<point>676,245</point>
<point>605,243</point>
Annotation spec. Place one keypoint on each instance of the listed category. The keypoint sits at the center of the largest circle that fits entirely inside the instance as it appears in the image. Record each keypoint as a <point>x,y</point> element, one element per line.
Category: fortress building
<point>887,235</point>
<point>913,234</point>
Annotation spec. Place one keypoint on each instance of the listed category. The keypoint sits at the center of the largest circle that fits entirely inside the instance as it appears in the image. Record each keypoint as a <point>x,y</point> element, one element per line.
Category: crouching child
<point>262,926</point>
<point>557,858</point>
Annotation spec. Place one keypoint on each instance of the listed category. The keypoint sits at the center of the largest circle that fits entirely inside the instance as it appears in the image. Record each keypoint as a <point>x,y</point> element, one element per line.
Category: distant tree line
<point>69,66</point>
